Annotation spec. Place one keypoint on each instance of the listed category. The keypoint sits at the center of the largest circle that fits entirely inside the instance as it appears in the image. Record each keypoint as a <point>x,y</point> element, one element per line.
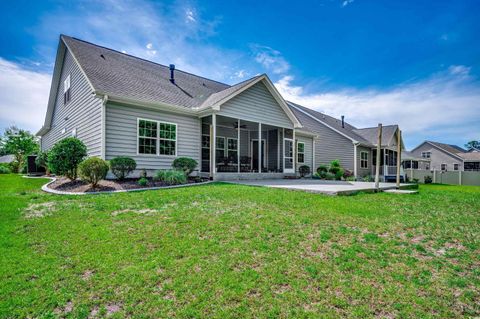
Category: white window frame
<point>224,144</point>
<point>364,160</point>
<point>303,153</point>
<point>157,138</point>
<point>228,149</point>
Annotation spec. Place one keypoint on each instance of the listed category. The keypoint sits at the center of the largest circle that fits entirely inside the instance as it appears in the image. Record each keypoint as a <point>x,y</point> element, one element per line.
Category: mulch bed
<point>78,186</point>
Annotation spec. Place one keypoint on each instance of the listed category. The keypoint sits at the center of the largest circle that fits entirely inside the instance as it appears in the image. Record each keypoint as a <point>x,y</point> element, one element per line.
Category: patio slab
<point>320,186</point>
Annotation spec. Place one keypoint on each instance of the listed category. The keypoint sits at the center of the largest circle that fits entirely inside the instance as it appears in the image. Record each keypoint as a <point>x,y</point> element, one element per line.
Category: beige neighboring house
<point>447,157</point>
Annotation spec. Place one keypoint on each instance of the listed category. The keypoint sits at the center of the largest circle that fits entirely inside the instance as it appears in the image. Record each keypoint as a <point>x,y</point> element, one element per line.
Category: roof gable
<point>452,151</point>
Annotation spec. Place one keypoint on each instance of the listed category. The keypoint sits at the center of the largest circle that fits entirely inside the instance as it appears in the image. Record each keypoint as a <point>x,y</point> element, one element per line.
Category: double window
<point>157,138</point>
<point>426,154</point>
<point>300,152</point>
<point>66,90</point>
<point>363,159</point>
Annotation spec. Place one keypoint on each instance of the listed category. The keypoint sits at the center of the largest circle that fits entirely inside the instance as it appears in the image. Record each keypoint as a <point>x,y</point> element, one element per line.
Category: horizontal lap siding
<point>256,104</point>
<point>83,112</point>
<point>308,141</point>
<point>438,157</point>
<point>361,172</point>
<point>121,135</point>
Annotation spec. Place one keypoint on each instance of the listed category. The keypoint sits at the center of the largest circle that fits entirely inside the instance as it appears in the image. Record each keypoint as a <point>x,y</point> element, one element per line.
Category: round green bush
<point>185,164</point>
<point>4,168</point>
<point>65,156</point>
<point>93,170</point>
<point>322,169</point>
<point>122,166</point>
<point>304,170</point>
<point>143,181</point>
<point>339,174</point>
<point>335,167</point>
<point>329,176</point>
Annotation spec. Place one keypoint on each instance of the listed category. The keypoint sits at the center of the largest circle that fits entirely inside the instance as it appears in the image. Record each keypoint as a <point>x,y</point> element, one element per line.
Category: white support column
<point>214,144</point>
<point>313,156</point>
<point>238,147</point>
<point>294,153</point>
<point>283,149</point>
<point>355,160</point>
<point>459,177</point>
<point>278,149</point>
<point>259,147</point>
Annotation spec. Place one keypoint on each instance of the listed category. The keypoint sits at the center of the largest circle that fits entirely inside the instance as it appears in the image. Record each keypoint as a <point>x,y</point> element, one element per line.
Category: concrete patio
<point>320,186</point>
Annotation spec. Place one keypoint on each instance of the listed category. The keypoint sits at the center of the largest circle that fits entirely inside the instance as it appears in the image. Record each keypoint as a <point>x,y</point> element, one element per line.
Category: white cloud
<point>459,70</point>
<point>270,59</point>
<point>240,74</point>
<point>149,46</point>
<point>190,15</point>
<point>23,96</point>
<point>346,2</point>
<point>445,102</point>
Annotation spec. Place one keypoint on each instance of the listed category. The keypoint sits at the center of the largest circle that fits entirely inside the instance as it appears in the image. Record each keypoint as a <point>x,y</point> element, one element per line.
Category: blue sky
<point>415,63</point>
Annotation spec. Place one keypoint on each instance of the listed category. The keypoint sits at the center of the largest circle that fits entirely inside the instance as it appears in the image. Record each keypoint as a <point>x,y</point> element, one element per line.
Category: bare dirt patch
<point>145,211</point>
<point>40,210</point>
<point>78,186</point>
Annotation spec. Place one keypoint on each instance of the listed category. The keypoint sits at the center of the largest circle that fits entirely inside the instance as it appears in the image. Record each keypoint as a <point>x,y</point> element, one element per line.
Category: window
<point>426,154</point>
<point>147,137</point>
<point>205,153</point>
<point>66,90</point>
<point>220,148</point>
<point>300,152</point>
<point>168,139</point>
<point>232,149</point>
<point>363,159</point>
<point>455,167</point>
<point>443,167</point>
<point>153,136</point>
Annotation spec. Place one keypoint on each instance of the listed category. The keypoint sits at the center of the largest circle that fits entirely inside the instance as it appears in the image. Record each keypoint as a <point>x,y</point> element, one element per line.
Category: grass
<point>229,251</point>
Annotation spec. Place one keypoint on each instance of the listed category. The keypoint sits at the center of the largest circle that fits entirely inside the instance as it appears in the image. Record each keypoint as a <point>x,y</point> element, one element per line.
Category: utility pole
<point>377,164</point>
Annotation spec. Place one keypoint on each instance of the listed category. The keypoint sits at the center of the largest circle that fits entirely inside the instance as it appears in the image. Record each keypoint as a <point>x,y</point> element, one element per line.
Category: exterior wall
<point>438,157</point>
<point>256,104</point>
<point>121,135</point>
<point>308,141</point>
<point>82,113</point>
<point>361,172</point>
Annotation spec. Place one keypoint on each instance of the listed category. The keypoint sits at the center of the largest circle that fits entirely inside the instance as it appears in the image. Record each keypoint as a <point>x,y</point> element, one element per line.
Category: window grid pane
<point>147,146</point>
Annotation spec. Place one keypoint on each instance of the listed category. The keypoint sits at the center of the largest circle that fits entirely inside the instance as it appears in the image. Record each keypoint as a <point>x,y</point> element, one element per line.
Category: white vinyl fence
<point>441,177</point>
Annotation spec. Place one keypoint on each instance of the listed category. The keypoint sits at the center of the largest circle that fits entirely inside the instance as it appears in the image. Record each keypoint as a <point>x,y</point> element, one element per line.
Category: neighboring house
<point>447,157</point>
<point>7,159</point>
<point>120,105</point>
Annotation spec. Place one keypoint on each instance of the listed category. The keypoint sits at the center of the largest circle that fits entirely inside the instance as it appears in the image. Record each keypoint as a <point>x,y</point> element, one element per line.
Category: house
<point>121,105</point>
<point>447,157</point>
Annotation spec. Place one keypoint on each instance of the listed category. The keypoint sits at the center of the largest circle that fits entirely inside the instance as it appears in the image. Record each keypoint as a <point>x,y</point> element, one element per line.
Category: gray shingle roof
<point>371,134</point>
<point>125,76</point>
<point>470,156</point>
<point>448,147</point>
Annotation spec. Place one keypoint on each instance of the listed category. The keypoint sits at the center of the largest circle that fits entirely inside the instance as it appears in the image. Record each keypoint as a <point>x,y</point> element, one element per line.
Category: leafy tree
<point>20,143</point>
<point>65,156</point>
<point>473,145</point>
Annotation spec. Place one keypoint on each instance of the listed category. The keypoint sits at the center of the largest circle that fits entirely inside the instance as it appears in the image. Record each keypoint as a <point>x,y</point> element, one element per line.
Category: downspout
<point>355,160</point>
<point>103,125</point>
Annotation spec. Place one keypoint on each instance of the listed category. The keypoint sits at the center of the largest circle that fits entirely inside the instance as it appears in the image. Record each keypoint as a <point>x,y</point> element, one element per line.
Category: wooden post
<point>399,155</point>
<point>379,148</point>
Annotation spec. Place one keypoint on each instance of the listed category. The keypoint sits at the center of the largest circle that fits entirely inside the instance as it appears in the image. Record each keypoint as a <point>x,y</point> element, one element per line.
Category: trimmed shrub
<point>65,156</point>
<point>122,166</point>
<point>350,179</point>
<point>143,181</point>
<point>427,179</point>
<point>322,168</point>
<point>185,164</point>
<point>329,176</point>
<point>93,170</point>
<point>171,177</point>
<point>335,167</point>
<point>42,161</point>
<point>5,168</point>
<point>368,178</point>
<point>339,174</point>
<point>304,170</point>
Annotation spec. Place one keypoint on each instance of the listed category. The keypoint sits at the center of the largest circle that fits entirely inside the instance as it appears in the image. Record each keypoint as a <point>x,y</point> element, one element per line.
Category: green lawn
<point>228,251</point>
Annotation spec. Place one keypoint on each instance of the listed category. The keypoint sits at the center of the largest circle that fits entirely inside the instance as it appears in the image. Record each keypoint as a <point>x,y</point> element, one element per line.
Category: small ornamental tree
<point>65,156</point>
<point>122,166</point>
<point>93,170</point>
<point>20,143</point>
<point>185,164</point>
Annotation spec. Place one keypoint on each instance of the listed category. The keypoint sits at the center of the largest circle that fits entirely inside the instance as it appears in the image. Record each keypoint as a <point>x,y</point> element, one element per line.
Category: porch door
<point>255,155</point>
<point>288,156</point>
